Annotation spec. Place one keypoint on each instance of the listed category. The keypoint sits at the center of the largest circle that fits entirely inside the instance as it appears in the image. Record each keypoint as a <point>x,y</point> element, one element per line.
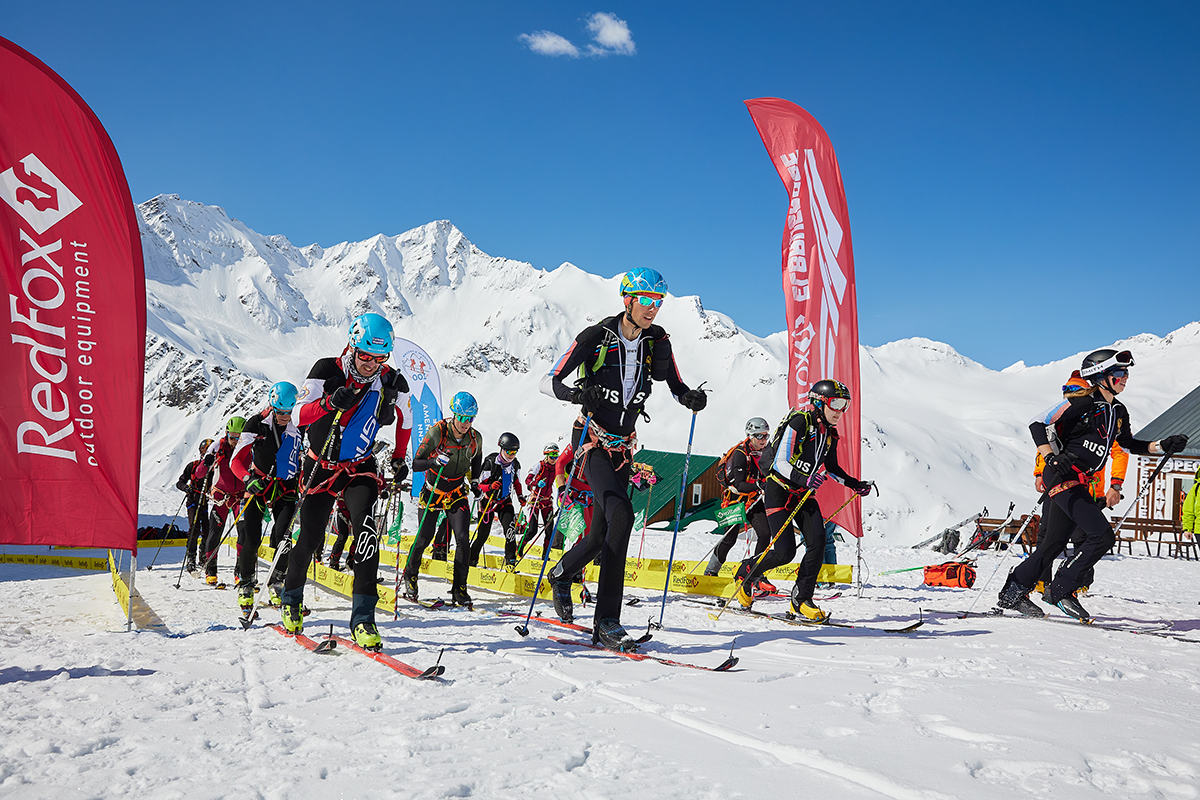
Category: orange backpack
<point>953,573</point>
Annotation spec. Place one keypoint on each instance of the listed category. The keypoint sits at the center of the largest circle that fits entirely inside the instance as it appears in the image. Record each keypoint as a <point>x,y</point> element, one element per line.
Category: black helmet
<point>825,390</point>
<point>509,441</point>
<point>1098,364</point>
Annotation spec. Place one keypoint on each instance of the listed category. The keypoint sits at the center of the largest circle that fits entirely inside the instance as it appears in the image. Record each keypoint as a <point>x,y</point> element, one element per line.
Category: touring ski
<point>724,666</point>
<point>568,625</point>
<point>805,623</point>
<point>407,670</point>
<point>325,647</point>
<point>1159,629</point>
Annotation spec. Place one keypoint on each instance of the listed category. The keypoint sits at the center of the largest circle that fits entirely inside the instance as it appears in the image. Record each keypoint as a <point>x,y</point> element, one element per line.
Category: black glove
<point>399,470</point>
<point>257,485</point>
<point>182,485</point>
<point>1057,470</point>
<point>342,399</point>
<point>391,390</point>
<point>1173,444</point>
<point>209,459</point>
<point>591,398</point>
<point>861,488</point>
<point>694,400</point>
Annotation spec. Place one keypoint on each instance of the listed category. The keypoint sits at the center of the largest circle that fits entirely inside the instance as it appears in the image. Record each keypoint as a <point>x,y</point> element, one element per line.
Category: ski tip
<point>633,601</point>
<point>431,673</point>
<point>727,664</point>
<point>327,646</point>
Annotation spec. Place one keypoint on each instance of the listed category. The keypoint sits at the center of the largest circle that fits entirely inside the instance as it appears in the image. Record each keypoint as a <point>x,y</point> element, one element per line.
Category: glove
<point>342,399</point>
<point>399,470</point>
<point>591,398</point>
<point>694,400</point>
<point>863,488</point>
<point>182,485</point>
<point>815,480</point>
<point>257,485</point>
<point>209,459</point>
<point>1173,444</point>
<point>442,459</point>
<point>1058,469</point>
<point>387,408</point>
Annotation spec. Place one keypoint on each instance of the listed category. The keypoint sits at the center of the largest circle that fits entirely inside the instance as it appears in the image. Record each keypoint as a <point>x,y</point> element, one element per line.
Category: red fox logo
<point>25,194</point>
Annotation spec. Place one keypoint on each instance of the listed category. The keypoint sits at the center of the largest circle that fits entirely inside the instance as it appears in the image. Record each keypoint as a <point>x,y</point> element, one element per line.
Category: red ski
<point>724,666</point>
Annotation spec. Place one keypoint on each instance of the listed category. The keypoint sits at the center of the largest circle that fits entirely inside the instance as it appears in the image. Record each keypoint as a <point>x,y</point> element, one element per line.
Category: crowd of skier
<point>312,455</point>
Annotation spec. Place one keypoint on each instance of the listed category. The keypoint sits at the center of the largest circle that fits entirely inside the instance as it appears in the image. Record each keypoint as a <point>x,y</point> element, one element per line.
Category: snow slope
<point>232,311</point>
<point>977,708</point>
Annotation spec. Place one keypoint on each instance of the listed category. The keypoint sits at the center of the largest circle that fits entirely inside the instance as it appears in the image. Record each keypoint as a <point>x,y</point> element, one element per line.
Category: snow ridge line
<point>787,754</point>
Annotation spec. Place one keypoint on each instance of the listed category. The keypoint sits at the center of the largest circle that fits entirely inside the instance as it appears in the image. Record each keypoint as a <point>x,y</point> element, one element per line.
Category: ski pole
<point>1166,457</point>
<point>201,516</point>
<point>646,514</point>
<point>1008,550</point>
<point>786,524</point>
<point>248,620</point>
<point>687,458</point>
<point>487,507</point>
<point>524,629</point>
<point>170,527</point>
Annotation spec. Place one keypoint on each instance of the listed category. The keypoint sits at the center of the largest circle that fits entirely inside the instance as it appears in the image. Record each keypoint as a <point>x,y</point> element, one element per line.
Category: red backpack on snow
<point>953,573</point>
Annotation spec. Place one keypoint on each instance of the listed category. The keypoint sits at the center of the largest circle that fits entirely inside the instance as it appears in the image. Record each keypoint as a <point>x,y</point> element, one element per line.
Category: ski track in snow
<point>979,708</point>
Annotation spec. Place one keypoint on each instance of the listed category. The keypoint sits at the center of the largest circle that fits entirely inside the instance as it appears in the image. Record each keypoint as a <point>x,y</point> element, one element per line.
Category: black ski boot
<point>609,634</point>
<point>560,592</point>
<point>409,592</point>
<point>1071,606</point>
<point>335,562</point>
<point>459,597</point>
<point>190,565</point>
<point>714,566</point>
<point>1016,597</point>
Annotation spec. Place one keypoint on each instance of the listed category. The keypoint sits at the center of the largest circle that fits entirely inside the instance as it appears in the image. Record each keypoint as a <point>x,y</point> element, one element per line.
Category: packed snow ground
<point>976,708</point>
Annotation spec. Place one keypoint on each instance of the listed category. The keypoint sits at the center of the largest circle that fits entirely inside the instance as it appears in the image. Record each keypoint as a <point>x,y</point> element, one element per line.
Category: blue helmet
<point>283,397</point>
<point>372,333</point>
<point>463,405</point>
<point>643,279</point>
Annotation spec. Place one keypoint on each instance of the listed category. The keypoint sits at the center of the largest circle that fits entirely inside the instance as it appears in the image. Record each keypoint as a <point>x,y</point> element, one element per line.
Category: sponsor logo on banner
<point>53,314</point>
<point>37,194</point>
<point>824,248</point>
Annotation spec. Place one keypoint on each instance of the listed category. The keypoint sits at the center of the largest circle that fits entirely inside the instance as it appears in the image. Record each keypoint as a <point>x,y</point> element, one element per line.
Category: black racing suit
<point>339,460</point>
<point>268,459</point>
<point>802,444</point>
<point>600,354</point>
<point>197,507</point>
<point>1086,426</point>
<point>497,483</point>
<point>743,484</point>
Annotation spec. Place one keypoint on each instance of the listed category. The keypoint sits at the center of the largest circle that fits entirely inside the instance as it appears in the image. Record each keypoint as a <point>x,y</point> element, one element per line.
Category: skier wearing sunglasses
<point>740,474</point>
<point>1075,437</point>
<point>803,443</point>
<point>616,361</point>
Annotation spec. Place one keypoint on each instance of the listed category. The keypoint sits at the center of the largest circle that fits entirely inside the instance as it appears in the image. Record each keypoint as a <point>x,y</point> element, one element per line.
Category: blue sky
<point>1023,179</point>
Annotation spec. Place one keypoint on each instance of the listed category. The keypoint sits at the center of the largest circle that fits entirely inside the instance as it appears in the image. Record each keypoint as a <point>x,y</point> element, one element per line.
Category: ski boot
<point>714,566</point>
<point>190,564</point>
<point>609,634</point>
<point>459,597</point>
<point>560,593</point>
<point>246,599</point>
<point>1016,597</point>
<point>806,609</point>
<point>585,595</point>
<point>409,591</point>
<point>438,554</point>
<point>510,564</point>
<point>274,592</point>
<point>211,580</point>
<point>763,588</point>
<point>293,620</point>
<point>1070,606</point>
<point>741,596</point>
<point>335,562</point>
<point>366,636</point>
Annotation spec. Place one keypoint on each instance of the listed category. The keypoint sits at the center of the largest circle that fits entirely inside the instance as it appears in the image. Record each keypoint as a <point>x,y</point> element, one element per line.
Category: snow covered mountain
<point>231,311</point>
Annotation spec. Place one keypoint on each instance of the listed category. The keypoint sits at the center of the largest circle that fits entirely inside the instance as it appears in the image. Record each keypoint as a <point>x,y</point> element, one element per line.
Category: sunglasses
<point>1118,374</point>
<point>369,357</point>
<point>838,403</point>
<point>648,301</point>
<point>463,418</point>
<point>762,437</point>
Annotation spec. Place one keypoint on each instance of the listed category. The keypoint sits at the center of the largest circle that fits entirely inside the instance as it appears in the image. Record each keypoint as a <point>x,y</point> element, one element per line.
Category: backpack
<point>955,574</point>
<point>722,472</point>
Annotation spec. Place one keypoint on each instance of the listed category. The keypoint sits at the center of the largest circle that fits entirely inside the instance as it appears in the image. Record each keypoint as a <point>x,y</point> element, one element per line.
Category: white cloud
<point>612,34</point>
<point>609,32</point>
<point>549,43</point>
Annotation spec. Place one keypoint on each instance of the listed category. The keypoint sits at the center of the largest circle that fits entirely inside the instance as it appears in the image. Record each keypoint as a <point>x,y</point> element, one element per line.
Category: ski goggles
<point>509,453</point>
<point>762,437</point>
<point>838,403</point>
<point>464,418</point>
<point>648,300</point>
<point>371,357</point>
